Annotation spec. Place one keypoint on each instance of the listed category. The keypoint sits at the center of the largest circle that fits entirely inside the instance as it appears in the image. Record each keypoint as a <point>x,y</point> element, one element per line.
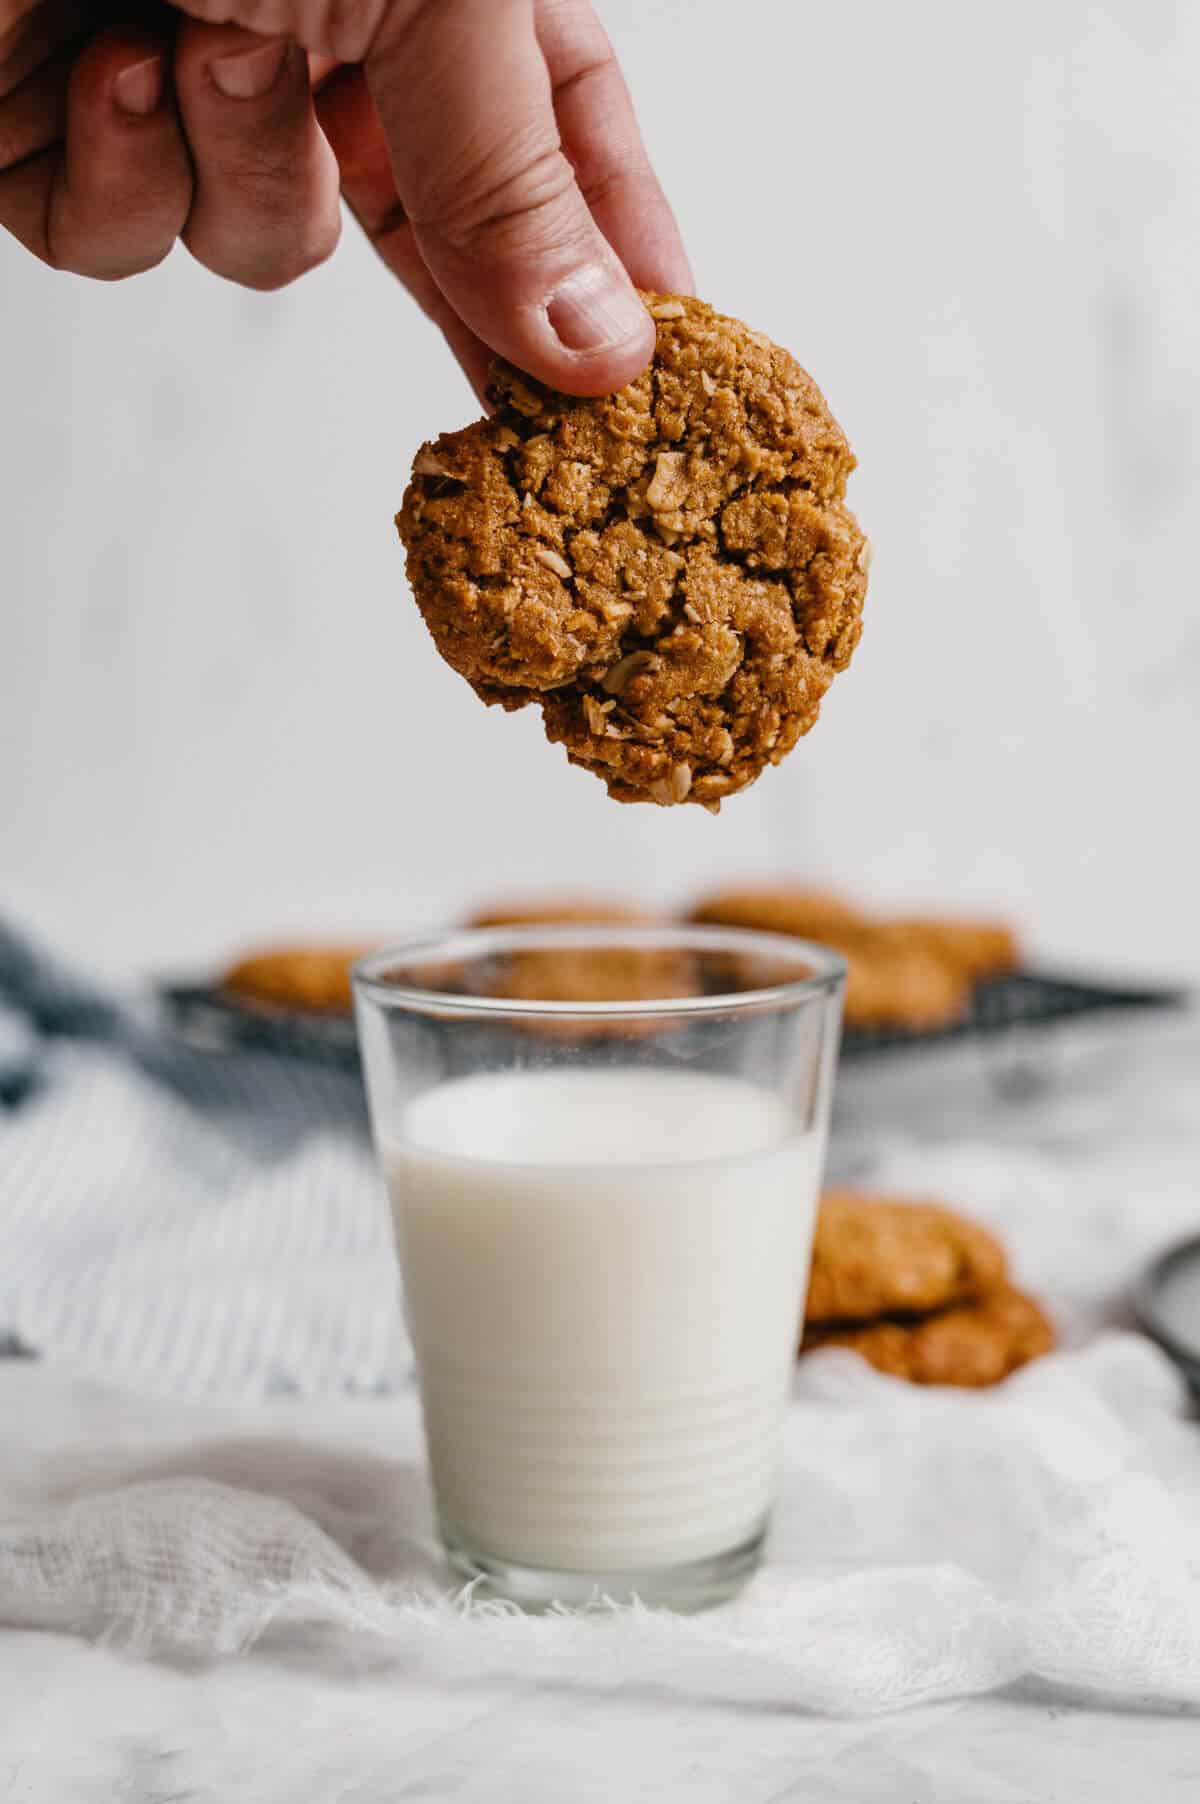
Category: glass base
<point>695,1585</point>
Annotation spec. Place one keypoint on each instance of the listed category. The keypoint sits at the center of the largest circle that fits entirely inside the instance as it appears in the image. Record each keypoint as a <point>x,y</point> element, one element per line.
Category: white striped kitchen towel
<point>203,1221</point>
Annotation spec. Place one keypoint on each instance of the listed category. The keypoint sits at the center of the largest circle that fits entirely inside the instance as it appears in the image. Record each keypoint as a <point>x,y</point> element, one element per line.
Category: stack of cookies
<point>921,1292</point>
<point>906,972</point>
<point>588,973</point>
<point>914,972</point>
<point>314,978</point>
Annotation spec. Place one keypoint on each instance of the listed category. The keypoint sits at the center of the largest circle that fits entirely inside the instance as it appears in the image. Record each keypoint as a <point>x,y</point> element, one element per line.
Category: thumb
<point>464,96</point>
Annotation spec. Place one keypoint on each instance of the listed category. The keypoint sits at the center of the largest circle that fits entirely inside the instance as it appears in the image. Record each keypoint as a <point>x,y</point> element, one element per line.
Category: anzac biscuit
<point>977,948</point>
<point>612,974</point>
<point>670,573</point>
<point>893,979</point>
<point>878,1255</point>
<point>893,985</point>
<point>314,978</point>
<point>969,1344</point>
<point>809,914</point>
<point>551,911</point>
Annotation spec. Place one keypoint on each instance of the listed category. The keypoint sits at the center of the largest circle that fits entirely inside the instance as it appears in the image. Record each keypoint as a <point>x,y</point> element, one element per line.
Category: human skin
<point>488,148</point>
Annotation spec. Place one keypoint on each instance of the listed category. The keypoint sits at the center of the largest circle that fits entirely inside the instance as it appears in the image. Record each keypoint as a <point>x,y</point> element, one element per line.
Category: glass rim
<point>369,979</point>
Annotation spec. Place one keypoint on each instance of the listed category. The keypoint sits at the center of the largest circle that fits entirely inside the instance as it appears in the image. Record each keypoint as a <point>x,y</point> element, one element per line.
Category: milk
<point>603,1276</point>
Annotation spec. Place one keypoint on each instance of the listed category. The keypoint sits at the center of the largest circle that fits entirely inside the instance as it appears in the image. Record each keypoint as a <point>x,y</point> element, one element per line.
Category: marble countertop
<point>1086,1148</point>
<point>103,1728</point>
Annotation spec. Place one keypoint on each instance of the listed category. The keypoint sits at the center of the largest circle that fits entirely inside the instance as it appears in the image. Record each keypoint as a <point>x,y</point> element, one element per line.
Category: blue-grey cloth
<point>193,1219</point>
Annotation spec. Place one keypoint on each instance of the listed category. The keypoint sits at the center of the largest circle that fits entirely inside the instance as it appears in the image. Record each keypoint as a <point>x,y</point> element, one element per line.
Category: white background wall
<point>979,226</point>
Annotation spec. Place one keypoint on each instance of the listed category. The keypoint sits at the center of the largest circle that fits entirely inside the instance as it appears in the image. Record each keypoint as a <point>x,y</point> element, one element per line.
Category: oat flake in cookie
<point>671,572</point>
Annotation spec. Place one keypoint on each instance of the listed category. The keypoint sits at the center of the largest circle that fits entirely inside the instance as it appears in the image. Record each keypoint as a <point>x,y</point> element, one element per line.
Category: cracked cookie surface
<point>671,572</point>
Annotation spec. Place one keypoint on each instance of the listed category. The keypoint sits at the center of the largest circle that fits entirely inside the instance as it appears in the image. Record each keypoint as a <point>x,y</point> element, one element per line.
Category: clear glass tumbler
<point>603,1148</point>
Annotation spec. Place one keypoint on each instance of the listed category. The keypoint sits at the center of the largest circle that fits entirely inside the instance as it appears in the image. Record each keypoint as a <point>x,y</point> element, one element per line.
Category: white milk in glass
<point>603,1276</point>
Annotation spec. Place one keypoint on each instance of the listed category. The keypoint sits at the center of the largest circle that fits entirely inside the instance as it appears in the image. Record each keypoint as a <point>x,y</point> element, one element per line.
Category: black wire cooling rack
<point>1001,1007</point>
<point>1011,1004</point>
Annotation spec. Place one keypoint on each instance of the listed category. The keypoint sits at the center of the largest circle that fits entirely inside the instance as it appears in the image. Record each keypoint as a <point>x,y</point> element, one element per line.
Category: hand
<point>488,147</point>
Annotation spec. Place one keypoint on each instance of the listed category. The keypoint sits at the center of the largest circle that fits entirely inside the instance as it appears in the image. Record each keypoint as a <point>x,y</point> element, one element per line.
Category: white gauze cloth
<point>928,1544</point>
<point>200,1224</point>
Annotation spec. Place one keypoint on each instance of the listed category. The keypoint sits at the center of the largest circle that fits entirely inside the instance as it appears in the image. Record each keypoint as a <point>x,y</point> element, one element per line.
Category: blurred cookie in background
<point>969,1344</point>
<point>893,985</point>
<point>596,974</point>
<point>590,971</point>
<point>977,948</point>
<point>559,910</point>
<point>874,1255</point>
<point>919,1290</point>
<point>306,978</point>
<point>903,972</point>
<point>809,914</point>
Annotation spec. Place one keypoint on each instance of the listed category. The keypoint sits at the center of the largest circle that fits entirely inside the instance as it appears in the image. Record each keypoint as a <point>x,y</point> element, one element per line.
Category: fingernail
<point>596,307</point>
<point>138,89</point>
<point>251,73</point>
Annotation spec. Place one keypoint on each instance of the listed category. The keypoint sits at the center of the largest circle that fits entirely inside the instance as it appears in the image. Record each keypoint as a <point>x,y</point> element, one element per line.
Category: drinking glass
<point>603,1148</point>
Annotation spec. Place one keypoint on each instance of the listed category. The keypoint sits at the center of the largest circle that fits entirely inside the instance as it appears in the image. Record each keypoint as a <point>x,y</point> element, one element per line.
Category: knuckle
<point>308,252</point>
<point>620,172</point>
<point>266,264</point>
<point>106,242</point>
<point>266,183</point>
<point>105,264</point>
<point>136,264</point>
<point>274,183</point>
<point>529,206</point>
<point>325,238</point>
<point>258,281</point>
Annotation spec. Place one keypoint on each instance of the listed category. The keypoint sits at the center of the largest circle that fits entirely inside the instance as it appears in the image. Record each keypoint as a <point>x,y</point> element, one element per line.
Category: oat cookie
<point>876,1255</point>
<point>890,984</point>
<point>977,948</point>
<point>313,978</point>
<point>567,911</point>
<point>596,974</point>
<point>671,572</point>
<point>810,914</point>
<point>968,1344</point>
<point>583,973</point>
<point>895,978</point>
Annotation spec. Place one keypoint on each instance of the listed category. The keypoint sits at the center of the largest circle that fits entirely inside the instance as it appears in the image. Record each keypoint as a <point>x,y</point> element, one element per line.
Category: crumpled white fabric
<point>217,1225</point>
<point>928,1544</point>
<point>191,1219</point>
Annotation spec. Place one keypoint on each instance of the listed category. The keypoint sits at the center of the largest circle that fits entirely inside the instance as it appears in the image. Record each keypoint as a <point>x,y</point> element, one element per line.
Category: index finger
<point>601,139</point>
<point>465,99</point>
<point>351,124</point>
